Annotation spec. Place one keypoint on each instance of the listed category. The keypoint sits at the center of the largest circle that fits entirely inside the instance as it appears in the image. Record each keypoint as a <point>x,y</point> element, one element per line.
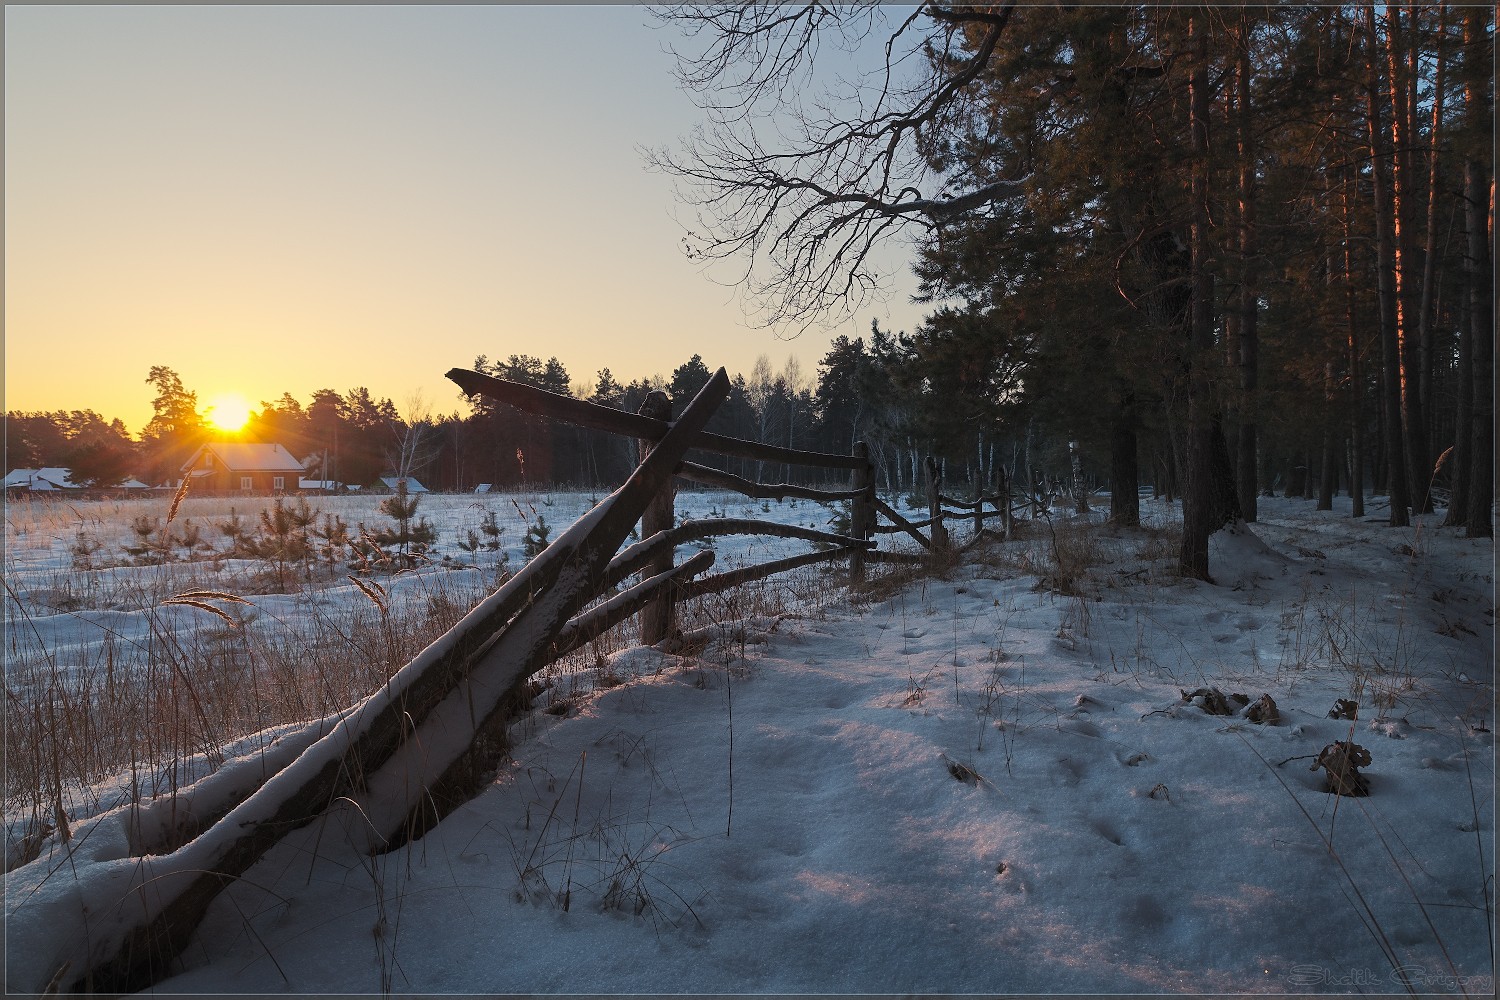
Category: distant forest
<point>1213,250</point>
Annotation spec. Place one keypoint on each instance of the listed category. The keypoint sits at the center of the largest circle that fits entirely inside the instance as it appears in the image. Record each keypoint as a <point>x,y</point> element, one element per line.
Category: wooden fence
<point>387,769</point>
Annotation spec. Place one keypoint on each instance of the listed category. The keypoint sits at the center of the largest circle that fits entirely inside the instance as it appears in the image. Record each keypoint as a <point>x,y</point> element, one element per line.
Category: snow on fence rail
<point>388,769</point>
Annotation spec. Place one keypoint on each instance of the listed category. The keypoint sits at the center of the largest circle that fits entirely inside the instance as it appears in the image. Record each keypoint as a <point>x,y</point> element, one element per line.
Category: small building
<point>236,467</point>
<point>393,483</point>
<point>319,485</point>
<point>49,480</point>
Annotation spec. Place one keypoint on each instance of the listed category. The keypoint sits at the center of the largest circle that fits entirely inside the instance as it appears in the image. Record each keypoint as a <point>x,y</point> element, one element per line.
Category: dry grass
<point>81,716</point>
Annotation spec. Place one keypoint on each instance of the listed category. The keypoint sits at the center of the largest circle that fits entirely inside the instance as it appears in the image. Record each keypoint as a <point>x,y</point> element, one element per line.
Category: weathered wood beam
<point>733,578</point>
<point>603,617</point>
<point>695,473</point>
<point>418,773</point>
<point>862,513</point>
<point>900,523</point>
<point>634,557</point>
<point>900,558</point>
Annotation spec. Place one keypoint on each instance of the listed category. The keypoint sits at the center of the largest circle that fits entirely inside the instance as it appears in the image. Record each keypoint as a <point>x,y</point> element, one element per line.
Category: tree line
<point>1225,249</point>
<point>354,438</point>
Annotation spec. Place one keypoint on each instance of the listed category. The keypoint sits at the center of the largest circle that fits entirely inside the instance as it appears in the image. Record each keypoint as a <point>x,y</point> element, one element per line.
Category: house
<point>392,483</point>
<point>235,467</point>
<point>50,480</point>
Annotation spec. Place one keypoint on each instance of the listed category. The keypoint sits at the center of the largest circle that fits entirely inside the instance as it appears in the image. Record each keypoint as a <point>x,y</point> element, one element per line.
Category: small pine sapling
<point>333,538</point>
<point>241,541</point>
<point>153,544</point>
<point>83,549</point>
<point>489,526</point>
<point>190,537</point>
<point>470,542</point>
<point>284,536</point>
<point>412,536</point>
<point>537,537</point>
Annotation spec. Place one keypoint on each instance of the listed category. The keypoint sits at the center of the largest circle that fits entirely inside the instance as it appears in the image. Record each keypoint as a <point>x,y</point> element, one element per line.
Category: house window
<point>278,482</point>
<point>247,483</point>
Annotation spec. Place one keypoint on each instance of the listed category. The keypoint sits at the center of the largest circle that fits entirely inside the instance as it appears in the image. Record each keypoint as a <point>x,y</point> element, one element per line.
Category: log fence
<point>387,769</point>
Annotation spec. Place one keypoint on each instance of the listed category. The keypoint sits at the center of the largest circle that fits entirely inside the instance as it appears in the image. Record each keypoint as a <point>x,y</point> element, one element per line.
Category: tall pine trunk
<point>1328,467</point>
<point>1479,195</point>
<point>1124,470</point>
<point>1426,317</point>
<point>1400,84</point>
<point>1249,298</point>
<point>1385,268</point>
<point>1356,367</point>
<point>1197,497</point>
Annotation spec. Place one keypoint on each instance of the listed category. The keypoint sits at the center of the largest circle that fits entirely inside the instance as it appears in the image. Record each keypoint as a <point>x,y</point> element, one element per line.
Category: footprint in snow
<point>913,633</point>
<point>1107,830</point>
<point>1145,912</point>
<point>1072,771</point>
<point>1079,727</point>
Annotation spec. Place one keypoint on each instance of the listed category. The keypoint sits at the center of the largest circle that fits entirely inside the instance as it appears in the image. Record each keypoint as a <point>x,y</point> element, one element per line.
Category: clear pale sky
<point>283,199</point>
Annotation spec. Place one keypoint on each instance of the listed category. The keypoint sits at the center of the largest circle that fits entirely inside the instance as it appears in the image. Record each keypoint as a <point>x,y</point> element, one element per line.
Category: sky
<point>284,199</point>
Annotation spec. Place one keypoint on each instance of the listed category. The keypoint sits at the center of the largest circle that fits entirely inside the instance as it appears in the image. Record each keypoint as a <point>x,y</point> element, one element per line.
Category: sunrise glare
<point>228,412</point>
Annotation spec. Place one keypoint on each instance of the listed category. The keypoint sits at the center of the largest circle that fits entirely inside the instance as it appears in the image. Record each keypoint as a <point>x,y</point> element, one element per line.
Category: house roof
<point>55,478</point>
<point>42,480</point>
<point>240,457</point>
<point>412,486</point>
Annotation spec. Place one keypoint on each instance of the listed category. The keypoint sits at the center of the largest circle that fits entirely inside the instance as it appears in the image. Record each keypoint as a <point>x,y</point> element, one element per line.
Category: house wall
<point>229,481</point>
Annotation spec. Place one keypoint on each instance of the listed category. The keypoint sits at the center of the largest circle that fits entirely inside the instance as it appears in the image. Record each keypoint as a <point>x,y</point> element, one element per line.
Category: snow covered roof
<point>243,457</point>
<point>412,486</point>
<point>41,480</point>
<point>317,484</point>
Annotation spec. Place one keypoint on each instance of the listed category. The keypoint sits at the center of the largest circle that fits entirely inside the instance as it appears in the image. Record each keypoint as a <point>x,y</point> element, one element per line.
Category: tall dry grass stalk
<point>163,707</point>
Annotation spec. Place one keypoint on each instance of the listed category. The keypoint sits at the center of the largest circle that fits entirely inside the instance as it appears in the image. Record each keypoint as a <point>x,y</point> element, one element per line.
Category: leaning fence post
<point>862,511</point>
<point>658,619</point>
<point>935,506</point>
<point>1005,511</point>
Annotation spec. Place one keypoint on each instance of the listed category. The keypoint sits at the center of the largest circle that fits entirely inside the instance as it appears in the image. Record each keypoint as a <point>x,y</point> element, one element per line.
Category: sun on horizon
<point>228,413</point>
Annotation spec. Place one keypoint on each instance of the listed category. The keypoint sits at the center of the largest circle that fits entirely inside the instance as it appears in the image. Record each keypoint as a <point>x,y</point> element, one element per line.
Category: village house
<point>234,467</point>
<point>60,480</point>
<point>53,480</point>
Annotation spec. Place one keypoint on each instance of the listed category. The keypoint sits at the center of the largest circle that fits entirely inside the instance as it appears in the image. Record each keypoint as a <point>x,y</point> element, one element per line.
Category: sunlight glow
<point>227,412</point>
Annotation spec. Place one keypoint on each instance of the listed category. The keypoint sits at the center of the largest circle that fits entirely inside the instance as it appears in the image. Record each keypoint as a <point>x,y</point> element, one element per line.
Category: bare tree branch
<point>801,193</point>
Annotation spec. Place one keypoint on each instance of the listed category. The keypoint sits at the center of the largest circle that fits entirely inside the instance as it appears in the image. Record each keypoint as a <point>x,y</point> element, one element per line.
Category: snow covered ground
<point>995,781</point>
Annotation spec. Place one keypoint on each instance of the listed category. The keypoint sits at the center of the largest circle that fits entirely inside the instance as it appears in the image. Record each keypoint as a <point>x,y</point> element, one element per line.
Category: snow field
<point>983,783</point>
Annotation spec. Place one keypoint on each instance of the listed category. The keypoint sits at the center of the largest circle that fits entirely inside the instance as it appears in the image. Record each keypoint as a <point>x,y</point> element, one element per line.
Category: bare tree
<point>804,209</point>
<point>416,438</point>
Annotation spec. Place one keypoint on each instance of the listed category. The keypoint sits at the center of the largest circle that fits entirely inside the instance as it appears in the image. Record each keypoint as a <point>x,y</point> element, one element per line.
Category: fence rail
<point>386,770</point>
